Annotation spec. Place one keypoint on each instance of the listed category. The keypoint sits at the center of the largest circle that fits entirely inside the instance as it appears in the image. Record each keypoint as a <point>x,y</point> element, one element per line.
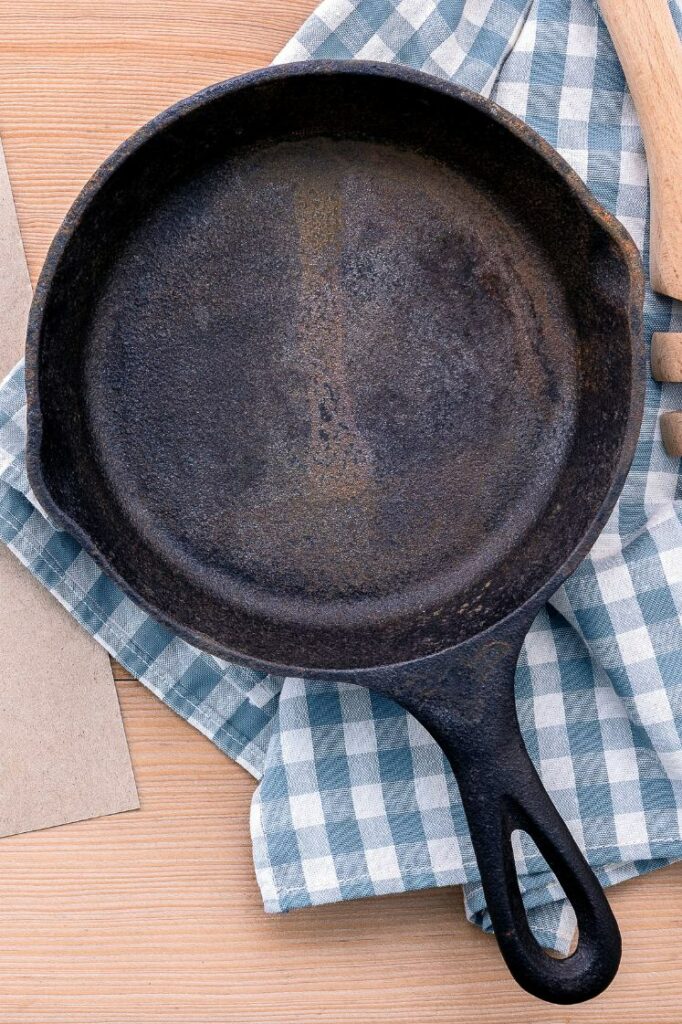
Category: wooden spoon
<point>649,48</point>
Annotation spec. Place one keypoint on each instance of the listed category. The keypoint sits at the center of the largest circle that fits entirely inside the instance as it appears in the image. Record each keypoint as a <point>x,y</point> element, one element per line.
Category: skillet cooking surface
<point>334,371</point>
<point>321,404</point>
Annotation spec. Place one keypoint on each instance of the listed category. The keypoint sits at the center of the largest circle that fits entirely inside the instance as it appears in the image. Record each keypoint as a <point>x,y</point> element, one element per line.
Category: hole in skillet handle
<point>526,851</point>
<point>470,711</point>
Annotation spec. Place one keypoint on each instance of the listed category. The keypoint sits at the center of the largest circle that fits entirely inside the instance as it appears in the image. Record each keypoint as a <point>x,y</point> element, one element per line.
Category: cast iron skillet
<point>336,369</point>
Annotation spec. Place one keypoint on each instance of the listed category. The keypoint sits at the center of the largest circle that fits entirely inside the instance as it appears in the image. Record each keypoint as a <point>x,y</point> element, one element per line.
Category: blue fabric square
<point>395,765</point>
<point>406,828</point>
<point>344,836</point>
<point>325,709</point>
<point>332,772</point>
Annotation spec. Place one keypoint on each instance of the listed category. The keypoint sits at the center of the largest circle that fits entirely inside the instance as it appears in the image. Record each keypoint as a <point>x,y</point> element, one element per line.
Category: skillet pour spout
<point>336,369</point>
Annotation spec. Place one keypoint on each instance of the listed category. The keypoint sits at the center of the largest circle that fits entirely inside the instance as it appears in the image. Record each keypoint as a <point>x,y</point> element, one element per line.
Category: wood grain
<point>154,917</point>
<point>650,51</point>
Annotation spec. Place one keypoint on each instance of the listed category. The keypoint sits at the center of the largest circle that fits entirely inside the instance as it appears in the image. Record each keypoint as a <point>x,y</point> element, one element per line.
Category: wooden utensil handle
<point>666,357</point>
<point>671,433</point>
<point>649,48</point>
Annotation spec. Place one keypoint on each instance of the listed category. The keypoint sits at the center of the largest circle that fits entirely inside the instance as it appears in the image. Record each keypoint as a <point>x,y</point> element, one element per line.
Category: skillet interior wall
<point>593,275</point>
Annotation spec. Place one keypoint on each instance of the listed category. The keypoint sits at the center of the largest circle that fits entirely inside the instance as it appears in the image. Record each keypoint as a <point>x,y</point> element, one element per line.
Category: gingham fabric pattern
<point>354,797</point>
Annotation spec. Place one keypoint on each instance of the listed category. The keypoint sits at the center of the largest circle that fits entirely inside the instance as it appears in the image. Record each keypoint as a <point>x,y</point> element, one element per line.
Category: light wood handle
<point>671,432</point>
<point>649,48</point>
<point>666,357</point>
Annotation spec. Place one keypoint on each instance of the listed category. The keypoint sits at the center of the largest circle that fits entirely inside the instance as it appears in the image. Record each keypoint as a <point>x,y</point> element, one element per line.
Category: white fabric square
<point>574,104</point>
<point>256,820</point>
<point>672,564</point>
<point>266,881</point>
<point>368,801</point>
<point>375,49</point>
<point>582,40</point>
<point>557,773</point>
<point>297,746</point>
<point>260,695</point>
<point>607,543</point>
<point>296,687</point>
<point>319,873</point>
<point>631,829</point>
<point>621,765</point>
<point>527,36</point>
<point>635,645</point>
<point>653,708</point>
<point>609,704</point>
<point>449,55</point>
<point>513,96</point>
<point>671,762</point>
<point>293,51</point>
<point>615,584</point>
<point>540,647</point>
<point>415,12</point>
<point>306,810</point>
<point>431,792</point>
<point>445,854</point>
<point>660,487</point>
<point>517,850</point>
<point>382,864</point>
<point>360,737</point>
<point>417,734</point>
<point>633,169</point>
<point>334,12</point>
<point>476,11</point>
<point>549,709</point>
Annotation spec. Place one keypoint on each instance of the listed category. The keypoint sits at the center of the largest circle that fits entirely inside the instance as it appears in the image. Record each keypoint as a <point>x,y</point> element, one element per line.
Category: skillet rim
<point>523,613</point>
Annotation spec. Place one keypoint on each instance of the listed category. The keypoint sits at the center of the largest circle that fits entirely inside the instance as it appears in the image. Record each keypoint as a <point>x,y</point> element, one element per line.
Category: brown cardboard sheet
<point>63,750</point>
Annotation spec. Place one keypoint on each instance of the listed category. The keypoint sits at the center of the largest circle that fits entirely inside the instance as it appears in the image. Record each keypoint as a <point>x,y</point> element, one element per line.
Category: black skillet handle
<point>472,716</point>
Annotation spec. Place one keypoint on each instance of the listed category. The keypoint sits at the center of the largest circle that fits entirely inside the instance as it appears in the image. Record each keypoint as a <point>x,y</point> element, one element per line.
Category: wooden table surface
<point>154,916</point>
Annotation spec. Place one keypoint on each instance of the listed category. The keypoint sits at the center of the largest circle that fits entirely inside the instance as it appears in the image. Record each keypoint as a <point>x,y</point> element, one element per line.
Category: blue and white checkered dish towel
<point>354,797</point>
